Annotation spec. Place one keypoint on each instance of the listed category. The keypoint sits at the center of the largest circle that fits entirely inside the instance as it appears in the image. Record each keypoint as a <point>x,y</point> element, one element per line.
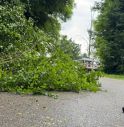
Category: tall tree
<point>68,46</point>
<point>46,14</point>
<point>109,30</point>
<point>44,9</point>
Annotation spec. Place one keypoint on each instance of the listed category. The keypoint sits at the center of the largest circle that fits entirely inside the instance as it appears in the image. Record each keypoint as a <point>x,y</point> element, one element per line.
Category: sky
<point>76,28</point>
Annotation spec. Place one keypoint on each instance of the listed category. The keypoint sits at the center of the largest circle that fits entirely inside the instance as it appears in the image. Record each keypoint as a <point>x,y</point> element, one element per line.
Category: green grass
<point>114,76</point>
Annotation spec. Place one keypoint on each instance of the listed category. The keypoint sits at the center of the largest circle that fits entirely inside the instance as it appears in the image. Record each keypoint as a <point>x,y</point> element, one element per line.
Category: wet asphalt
<point>101,109</point>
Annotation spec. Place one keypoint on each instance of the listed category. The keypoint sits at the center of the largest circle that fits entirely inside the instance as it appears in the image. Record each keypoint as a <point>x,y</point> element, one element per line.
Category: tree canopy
<point>109,31</point>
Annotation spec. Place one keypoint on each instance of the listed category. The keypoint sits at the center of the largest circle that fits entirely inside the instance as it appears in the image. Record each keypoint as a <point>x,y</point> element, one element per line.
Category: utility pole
<point>90,33</point>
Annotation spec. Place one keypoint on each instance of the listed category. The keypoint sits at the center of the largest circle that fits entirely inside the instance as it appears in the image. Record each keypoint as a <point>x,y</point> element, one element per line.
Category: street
<point>87,109</point>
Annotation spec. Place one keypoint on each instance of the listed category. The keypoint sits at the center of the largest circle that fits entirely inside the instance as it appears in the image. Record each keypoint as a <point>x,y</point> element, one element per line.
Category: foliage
<point>41,10</point>
<point>69,47</point>
<point>109,28</point>
<point>32,60</point>
<point>15,31</point>
<point>58,72</point>
<point>46,13</point>
<point>18,36</point>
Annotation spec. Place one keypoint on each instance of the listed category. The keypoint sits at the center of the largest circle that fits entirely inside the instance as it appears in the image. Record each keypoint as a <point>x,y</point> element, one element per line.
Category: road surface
<point>101,109</point>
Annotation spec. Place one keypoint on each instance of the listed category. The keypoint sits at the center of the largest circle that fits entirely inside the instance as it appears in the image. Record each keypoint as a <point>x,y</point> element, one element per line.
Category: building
<point>89,63</point>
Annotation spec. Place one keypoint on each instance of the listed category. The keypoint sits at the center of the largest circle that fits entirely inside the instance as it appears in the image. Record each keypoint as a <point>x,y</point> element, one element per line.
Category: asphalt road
<point>101,109</point>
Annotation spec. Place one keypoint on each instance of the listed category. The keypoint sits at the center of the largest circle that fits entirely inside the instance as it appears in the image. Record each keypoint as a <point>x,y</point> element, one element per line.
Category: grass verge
<point>114,76</point>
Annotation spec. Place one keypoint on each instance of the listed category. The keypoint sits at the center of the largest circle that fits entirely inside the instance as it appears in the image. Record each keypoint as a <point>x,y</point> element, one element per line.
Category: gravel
<point>87,109</point>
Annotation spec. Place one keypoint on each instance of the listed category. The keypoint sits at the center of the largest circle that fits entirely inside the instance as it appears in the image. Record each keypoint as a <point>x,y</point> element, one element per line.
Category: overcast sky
<point>76,28</point>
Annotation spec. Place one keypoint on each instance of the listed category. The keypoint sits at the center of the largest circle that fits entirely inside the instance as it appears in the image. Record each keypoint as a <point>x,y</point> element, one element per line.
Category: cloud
<point>77,27</point>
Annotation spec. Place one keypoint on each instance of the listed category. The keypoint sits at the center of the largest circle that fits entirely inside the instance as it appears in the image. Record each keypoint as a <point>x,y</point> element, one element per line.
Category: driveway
<point>101,109</point>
